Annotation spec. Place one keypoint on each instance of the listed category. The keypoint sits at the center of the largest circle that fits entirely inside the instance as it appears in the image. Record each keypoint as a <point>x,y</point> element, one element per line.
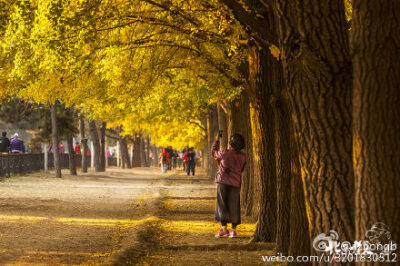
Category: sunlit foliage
<point>151,67</point>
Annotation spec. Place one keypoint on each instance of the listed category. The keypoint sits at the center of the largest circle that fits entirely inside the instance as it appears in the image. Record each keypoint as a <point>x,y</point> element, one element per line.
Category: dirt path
<point>121,217</point>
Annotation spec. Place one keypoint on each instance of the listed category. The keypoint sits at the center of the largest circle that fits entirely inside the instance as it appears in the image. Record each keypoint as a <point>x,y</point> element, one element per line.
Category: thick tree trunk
<point>54,135</point>
<point>300,242</point>
<point>155,155</point>
<point>71,156</point>
<point>231,122</point>
<point>125,158</point>
<point>223,125</point>
<point>239,122</point>
<point>249,172</point>
<point>262,117</point>
<point>213,118</point>
<point>96,145</point>
<point>282,158</point>
<point>148,147</point>
<point>375,42</point>
<point>208,140</point>
<point>142,152</point>
<point>315,54</point>
<point>83,144</point>
<point>121,154</point>
<point>103,146</point>
<point>136,161</point>
<point>206,148</point>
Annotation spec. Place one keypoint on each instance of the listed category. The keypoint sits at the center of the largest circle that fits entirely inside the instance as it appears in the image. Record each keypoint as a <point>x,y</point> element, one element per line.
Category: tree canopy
<point>152,67</point>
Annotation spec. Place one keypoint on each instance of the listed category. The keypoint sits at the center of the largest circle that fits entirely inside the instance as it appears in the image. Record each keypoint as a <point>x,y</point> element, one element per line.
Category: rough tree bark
<point>103,146</point>
<point>262,117</point>
<point>155,155</point>
<point>122,157</point>
<point>96,145</point>
<point>148,147</point>
<point>282,158</point>
<point>83,144</point>
<point>54,136</point>
<point>223,125</point>
<point>315,54</point>
<point>208,140</point>
<point>126,161</point>
<point>71,156</point>
<point>300,242</point>
<point>206,148</point>
<point>142,152</point>
<point>213,119</point>
<point>375,43</point>
<point>239,122</point>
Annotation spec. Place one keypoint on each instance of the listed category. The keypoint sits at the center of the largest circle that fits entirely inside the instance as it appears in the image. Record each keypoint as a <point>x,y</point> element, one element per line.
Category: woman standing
<point>231,165</point>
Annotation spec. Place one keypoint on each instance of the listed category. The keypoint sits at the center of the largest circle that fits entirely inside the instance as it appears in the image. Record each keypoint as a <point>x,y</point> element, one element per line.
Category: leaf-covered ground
<point>122,217</point>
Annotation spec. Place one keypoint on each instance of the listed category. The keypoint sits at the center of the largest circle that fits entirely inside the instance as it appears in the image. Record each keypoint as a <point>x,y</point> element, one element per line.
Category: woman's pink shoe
<point>233,234</point>
<point>222,233</point>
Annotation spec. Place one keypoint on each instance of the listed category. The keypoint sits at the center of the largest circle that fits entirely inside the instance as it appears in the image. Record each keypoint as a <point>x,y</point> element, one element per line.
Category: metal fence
<point>20,163</point>
<point>11,164</point>
<point>112,161</point>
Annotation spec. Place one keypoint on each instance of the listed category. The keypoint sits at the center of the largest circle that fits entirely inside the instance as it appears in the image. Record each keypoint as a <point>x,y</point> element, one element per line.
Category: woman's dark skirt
<point>228,204</point>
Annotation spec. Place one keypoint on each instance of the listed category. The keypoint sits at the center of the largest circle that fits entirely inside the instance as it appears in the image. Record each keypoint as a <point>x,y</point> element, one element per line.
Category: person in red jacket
<point>164,159</point>
<point>231,165</point>
<point>77,148</point>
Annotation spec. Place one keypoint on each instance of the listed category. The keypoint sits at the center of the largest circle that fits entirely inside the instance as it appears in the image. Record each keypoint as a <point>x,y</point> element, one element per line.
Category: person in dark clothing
<point>170,155</point>
<point>190,158</point>
<point>231,165</point>
<point>175,157</point>
<point>16,144</point>
<point>4,143</point>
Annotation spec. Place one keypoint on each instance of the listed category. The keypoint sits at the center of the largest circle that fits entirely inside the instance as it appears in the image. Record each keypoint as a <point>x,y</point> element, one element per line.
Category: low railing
<point>20,163</point>
<point>11,164</point>
<point>112,161</point>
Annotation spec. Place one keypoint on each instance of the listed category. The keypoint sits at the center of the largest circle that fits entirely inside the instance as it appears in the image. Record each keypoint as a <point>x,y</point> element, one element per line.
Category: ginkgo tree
<point>127,62</point>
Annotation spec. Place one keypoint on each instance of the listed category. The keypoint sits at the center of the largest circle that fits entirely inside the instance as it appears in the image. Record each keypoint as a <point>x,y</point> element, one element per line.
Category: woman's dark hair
<point>237,142</point>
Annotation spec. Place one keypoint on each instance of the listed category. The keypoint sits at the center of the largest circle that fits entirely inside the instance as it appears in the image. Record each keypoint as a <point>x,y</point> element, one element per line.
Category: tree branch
<point>172,12</point>
<point>257,29</point>
<point>197,124</point>
<point>223,107</point>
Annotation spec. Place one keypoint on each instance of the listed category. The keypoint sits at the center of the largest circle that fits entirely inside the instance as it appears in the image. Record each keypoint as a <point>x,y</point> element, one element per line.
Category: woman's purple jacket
<point>16,145</point>
<point>232,164</point>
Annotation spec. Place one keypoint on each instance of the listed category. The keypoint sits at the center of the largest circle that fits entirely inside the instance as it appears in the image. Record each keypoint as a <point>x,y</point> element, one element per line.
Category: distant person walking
<point>231,165</point>
<point>164,158</point>
<point>170,155</point>
<point>184,161</point>
<point>4,143</point>
<point>16,145</point>
<point>61,148</point>
<point>190,158</point>
<point>175,157</point>
<point>77,148</point>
